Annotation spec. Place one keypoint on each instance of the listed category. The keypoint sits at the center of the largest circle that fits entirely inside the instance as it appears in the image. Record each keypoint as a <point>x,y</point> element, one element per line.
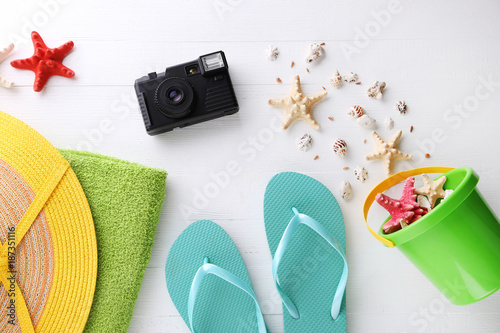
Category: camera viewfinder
<point>192,70</point>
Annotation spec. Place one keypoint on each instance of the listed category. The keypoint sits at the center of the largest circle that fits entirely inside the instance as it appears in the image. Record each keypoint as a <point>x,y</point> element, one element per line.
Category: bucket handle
<point>388,183</point>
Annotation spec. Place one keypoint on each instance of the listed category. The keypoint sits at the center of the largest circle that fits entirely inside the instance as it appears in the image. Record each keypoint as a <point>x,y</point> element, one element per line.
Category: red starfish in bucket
<point>403,211</point>
<point>45,62</point>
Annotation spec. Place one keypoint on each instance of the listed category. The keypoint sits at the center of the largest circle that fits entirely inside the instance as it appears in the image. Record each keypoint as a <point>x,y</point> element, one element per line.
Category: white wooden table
<point>436,56</point>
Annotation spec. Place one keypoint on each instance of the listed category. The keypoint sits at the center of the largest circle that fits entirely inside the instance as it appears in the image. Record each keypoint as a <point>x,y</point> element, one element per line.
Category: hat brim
<point>56,261</point>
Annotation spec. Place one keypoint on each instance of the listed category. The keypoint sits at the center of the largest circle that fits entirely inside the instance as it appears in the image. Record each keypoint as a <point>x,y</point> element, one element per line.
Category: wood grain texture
<point>434,55</point>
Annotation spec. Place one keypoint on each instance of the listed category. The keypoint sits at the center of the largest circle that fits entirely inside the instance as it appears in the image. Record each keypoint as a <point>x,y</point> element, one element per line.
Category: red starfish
<point>403,211</point>
<point>45,62</point>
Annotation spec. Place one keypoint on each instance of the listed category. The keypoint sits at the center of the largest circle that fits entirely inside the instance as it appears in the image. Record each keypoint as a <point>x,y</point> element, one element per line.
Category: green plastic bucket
<point>457,244</point>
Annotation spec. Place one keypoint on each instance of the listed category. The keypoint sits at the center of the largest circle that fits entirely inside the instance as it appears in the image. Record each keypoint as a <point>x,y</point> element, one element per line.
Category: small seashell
<point>389,123</point>
<point>340,147</point>
<point>316,52</point>
<point>304,142</point>
<point>447,193</point>
<point>345,190</point>
<point>356,111</point>
<point>361,174</point>
<point>424,202</point>
<point>375,91</point>
<point>366,121</point>
<point>350,77</point>
<point>336,80</point>
<point>401,107</point>
<point>272,52</point>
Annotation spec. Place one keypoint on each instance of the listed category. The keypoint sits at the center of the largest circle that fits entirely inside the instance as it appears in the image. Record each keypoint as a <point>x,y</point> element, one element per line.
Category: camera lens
<point>175,97</point>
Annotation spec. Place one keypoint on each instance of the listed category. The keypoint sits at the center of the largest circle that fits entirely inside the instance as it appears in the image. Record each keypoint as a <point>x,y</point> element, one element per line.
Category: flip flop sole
<point>310,269</point>
<point>219,306</point>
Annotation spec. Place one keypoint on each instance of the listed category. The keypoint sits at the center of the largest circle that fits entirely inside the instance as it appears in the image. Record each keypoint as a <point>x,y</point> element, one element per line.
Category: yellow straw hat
<point>48,255</point>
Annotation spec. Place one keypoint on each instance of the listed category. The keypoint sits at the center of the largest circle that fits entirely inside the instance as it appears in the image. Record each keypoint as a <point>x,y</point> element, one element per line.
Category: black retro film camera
<point>186,94</point>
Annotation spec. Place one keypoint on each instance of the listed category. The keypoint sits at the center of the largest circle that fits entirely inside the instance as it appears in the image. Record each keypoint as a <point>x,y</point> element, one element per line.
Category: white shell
<point>316,52</point>
<point>4,82</point>
<point>389,123</point>
<point>401,107</point>
<point>272,52</point>
<point>350,77</point>
<point>361,174</point>
<point>424,202</point>
<point>375,91</point>
<point>447,193</point>
<point>304,142</point>
<point>356,111</point>
<point>366,121</point>
<point>340,147</point>
<point>336,80</point>
<point>345,190</point>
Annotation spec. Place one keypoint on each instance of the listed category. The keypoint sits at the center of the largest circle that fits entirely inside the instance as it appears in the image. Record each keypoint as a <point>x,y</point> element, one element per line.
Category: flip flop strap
<point>297,220</point>
<point>207,269</point>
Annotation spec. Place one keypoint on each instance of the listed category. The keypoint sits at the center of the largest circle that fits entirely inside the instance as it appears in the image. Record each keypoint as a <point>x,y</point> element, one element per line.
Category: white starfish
<point>432,189</point>
<point>298,106</point>
<point>387,152</point>
<point>4,54</point>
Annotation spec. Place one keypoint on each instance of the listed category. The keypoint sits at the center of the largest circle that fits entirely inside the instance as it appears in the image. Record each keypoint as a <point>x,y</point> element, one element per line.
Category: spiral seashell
<point>340,147</point>
<point>316,52</point>
<point>356,111</point>
<point>336,80</point>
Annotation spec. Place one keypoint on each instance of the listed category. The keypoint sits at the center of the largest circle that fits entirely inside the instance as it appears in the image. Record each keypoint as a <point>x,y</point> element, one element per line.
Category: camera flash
<point>212,61</point>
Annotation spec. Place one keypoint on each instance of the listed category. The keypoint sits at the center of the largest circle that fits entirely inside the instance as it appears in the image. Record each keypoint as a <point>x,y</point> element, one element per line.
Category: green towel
<point>125,199</point>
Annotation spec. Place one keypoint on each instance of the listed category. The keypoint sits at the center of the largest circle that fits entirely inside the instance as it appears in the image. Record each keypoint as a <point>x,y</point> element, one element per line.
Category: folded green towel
<point>125,199</point>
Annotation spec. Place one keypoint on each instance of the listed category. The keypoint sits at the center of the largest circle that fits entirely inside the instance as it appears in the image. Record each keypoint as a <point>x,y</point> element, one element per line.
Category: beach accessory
<point>350,77</point>
<point>315,53</point>
<point>387,152</point>
<point>457,244</point>
<point>49,279</point>
<point>45,62</point>
<point>404,211</point>
<point>336,80</point>
<point>298,106</point>
<point>356,111</point>
<point>401,107</point>
<point>126,200</point>
<point>209,284</point>
<point>4,53</point>
<point>305,233</point>
<point>433,190</point>
<point>360,174</point>
<point>376,90</point>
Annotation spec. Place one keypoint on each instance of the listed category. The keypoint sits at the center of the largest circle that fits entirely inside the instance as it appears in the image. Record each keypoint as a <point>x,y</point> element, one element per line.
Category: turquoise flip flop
<point>306,236</point>
<point>209,284</point>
